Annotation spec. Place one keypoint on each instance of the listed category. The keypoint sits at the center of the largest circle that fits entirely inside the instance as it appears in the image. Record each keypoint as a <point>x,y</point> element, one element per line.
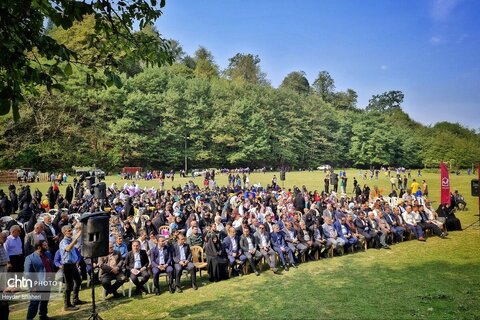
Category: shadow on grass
<point>436,290</point>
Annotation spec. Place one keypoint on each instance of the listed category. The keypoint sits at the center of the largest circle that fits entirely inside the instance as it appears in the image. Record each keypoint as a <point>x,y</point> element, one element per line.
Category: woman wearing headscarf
<point>129,234</point>
<point>216,259</point>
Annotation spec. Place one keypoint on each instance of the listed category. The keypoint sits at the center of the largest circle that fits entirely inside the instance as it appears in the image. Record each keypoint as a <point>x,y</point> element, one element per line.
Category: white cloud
<point>441,9</point>
<point>384,67</point>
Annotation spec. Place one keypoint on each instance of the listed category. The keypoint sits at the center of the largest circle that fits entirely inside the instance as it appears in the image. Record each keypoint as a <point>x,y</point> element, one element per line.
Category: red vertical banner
<point>444,184</point>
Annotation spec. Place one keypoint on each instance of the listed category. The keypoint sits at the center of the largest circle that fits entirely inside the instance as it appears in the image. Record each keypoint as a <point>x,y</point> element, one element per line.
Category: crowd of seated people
<point>156,233</point>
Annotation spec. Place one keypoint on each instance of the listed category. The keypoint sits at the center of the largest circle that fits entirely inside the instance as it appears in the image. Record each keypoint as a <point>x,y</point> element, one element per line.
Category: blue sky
<point>429,49</point>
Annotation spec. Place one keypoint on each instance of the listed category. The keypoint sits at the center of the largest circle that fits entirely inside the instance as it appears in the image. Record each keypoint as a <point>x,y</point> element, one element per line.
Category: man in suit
<point>262,237</point>
<point>250,249</point>
<point>233,249</point>
<point>38,266</point>
<point>111,268</point>
<point>136,263</point>
<point>291,237</point>
<point>345,233</point>
<point>280,246</point>
<point>397,230</point>
<point>328,212</point>
<point>33,237</point>
<point>52,232</point>
<point>381,236</point>
<point>268,224</point>
<point>309,218</point>
<point>161,260</point>
<point>182,258</point>
<point>319,239</point>
<point>383,224</point>
<point>363,227</point>
<point>331,235</point>
<point>306,237</point>
<point>426,223</point>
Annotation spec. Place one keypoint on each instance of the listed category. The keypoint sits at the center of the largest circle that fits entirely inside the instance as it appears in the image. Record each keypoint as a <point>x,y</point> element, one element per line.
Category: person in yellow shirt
<point>415,186</point>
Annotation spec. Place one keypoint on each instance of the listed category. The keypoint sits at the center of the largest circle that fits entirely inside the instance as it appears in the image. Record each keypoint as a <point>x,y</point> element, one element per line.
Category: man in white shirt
<point>263,240</point>
<point>411,222</point>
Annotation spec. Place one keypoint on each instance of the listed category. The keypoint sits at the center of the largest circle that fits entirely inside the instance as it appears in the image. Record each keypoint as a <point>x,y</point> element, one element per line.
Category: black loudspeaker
<point>475,184</point>
<point>282,175</point>
<point>100,190</point>
<point>95,230</point>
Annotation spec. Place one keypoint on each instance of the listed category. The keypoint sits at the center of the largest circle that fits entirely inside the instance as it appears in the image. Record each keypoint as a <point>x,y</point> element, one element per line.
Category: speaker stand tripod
<point>94,315</point>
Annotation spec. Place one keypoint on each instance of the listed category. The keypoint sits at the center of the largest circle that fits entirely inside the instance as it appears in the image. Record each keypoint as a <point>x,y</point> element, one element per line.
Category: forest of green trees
<point>152,116</point>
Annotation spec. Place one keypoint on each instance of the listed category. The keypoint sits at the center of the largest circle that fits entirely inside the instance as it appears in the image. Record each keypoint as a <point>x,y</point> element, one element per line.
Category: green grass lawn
<point>438,279</point>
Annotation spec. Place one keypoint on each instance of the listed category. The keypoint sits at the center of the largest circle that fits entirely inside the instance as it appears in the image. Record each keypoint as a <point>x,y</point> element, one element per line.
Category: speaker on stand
<point>95,230</point>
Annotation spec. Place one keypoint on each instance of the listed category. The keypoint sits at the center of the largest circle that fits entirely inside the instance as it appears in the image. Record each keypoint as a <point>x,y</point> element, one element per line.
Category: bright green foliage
<point>155,116</point>
<point>245,68</point>
<point>32,57</point>
<point>385,101</point>
<point>205,64</point>
<point>223,122</point>
<point>297,82</point>
<point>324,85</point>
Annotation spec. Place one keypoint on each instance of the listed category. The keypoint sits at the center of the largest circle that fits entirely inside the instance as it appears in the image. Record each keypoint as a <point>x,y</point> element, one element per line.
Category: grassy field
<point>438,279</point>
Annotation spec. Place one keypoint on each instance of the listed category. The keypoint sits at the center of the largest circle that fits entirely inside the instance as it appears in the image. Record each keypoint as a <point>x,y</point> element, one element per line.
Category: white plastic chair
<point>130,284</point>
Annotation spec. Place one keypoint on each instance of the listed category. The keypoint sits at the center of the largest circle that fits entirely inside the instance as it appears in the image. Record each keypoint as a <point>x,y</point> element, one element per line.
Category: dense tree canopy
<point>225,118</point>
<point>296,81</point>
